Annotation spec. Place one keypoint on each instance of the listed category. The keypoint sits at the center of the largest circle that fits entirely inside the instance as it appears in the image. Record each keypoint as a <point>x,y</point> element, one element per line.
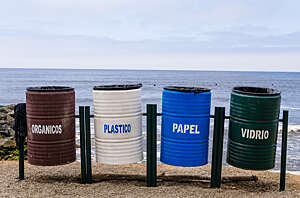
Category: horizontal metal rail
<point>216,174</point>
<point>158,114</point>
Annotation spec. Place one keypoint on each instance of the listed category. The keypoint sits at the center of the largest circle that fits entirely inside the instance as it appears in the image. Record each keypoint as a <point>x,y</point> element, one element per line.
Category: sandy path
<point>64,181</point>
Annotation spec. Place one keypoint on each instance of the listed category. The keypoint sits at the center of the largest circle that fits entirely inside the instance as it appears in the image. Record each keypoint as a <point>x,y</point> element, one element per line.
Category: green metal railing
<point>151,145</point>
<point>218,148</point>
<point>217,152</point>
<point>82,145</point>
<point>285,122</point>
<point>21,159</point>
<point>85,144</point>
<point>151,177</point>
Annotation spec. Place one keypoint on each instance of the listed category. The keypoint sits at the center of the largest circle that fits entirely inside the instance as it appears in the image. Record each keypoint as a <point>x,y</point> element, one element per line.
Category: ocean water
<point>13,83</point>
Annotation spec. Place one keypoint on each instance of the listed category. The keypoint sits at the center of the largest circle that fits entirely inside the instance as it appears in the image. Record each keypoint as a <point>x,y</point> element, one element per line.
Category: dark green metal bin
<point>253,127</point>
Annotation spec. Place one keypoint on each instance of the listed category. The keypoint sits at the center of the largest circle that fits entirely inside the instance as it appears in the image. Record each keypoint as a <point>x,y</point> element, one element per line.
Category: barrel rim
<point>187,89</point>
<point>50,89</point>
<point>256,91</point>
<point>118,87</point>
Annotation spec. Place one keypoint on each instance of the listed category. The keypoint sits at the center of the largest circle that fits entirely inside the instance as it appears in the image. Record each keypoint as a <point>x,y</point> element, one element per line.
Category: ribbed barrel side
<point>118,126</point>
<point>185,128</point>
<point>253,129</point>
<point>51,127</point>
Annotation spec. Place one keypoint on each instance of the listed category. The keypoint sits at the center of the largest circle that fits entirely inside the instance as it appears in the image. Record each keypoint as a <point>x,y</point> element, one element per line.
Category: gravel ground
<point>64,181</point>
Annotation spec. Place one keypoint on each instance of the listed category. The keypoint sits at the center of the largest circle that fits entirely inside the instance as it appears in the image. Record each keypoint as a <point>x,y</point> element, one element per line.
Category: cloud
<point>81,45</point>
<point>139,20</point>
<point>113,32</point>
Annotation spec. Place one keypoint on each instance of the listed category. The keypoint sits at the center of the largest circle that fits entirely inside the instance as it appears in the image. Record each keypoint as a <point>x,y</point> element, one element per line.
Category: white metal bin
<point>118,123</point>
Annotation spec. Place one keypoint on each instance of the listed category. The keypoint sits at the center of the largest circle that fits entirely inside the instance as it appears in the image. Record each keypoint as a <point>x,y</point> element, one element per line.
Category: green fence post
<point>284,150</point>
<point>151,145</point>
<point>82,145</point>
<point>220,146</point>
<point>217,153</point>
<point>21,159</point>
<point>88,145</point>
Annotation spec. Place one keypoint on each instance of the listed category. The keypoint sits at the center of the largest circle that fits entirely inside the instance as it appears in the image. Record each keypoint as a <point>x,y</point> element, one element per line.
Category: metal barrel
<point>253,127</point>
<point>51,125</point>
<point>118,123</point>
<point>185,126</point>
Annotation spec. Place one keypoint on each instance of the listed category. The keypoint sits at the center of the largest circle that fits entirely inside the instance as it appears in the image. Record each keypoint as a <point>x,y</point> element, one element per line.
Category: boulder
<point>7,142</point>
<point>3,110</point>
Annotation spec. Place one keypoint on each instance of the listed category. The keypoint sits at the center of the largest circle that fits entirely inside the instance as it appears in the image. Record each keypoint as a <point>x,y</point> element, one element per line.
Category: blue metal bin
<point>185,126</point>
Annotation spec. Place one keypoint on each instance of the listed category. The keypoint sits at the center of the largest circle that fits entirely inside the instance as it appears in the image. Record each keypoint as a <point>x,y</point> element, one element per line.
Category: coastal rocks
<point>7,142</point>
<point>8,149</point>
<point>7,121</point>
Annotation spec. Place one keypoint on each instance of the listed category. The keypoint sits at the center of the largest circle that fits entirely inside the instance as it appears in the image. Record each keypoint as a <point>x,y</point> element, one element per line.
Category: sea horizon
<point>122,69</point>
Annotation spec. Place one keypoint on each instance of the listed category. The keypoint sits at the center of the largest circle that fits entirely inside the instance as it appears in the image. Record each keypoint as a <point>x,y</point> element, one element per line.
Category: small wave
<point>291,172</point>
<point>294,172</point>
<point>291,108</point>
<point>294,128</point>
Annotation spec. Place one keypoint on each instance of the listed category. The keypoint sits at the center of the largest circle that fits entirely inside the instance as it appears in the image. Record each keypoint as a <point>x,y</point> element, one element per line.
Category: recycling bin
<point>185,125</point>
<point>118,123</point>
<point>50,125</point>
<point>253,127</point>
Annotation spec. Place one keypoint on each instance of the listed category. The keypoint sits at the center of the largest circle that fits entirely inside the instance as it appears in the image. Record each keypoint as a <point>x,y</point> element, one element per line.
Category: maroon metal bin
<point>51,125</point>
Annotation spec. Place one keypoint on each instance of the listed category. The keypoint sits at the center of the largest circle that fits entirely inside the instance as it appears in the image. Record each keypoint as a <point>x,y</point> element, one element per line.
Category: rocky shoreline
<point>8,149</point>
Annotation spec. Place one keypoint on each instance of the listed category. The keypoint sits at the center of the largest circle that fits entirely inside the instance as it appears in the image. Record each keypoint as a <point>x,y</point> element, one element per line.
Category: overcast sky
<point>153,34</point>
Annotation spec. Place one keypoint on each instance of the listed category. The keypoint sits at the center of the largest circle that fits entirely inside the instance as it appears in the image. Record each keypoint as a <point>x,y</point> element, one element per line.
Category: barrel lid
<point>50,89</point>
<point>187,89</point>
<point>118,87</point>
<point>256,91</point>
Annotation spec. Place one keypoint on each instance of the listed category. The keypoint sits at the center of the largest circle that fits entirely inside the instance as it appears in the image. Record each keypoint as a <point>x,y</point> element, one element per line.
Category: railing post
<point>151,145</point>
<point>21,159</point>
<point>284,150</point>
<point>88,145</point>
<point>217,153</point>
<point>82,144</point>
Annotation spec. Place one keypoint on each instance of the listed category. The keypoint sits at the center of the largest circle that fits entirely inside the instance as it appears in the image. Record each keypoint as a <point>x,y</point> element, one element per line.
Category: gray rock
<point>6,142</point>
<point>11,132</point>
<point>2,122</point>
<point>3,110</point>
<point>10,121</point>
<point>3,127</point>
<point>4,133</point>
<point>4,130</point>
<point>3,116</point>
<point>7,121</point>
